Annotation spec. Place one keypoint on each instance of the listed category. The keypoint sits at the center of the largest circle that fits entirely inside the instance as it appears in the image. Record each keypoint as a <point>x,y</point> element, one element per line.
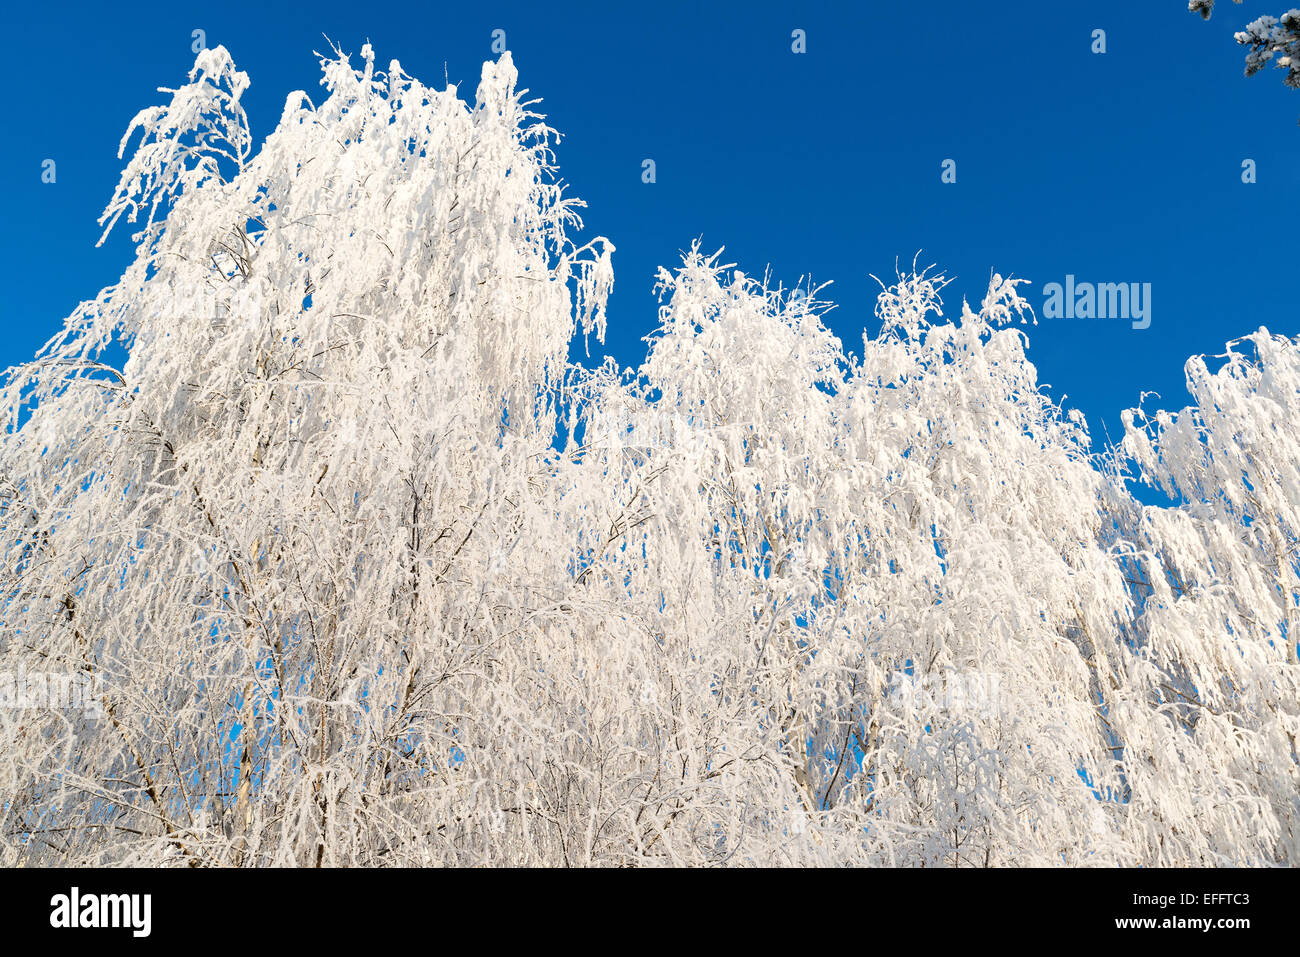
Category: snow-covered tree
<point>1269,39</point>
<point>366,572</point>
<point>1217,583</point>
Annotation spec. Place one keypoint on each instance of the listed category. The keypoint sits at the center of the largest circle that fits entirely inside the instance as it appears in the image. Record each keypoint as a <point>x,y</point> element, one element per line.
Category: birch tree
<point>362,570</point>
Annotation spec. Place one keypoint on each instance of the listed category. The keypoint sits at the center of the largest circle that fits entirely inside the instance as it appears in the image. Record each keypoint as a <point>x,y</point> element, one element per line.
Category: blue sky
<point>1115,167</point>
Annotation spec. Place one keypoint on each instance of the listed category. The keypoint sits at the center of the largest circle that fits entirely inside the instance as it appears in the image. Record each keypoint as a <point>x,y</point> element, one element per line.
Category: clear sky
<point>1117,167</point>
